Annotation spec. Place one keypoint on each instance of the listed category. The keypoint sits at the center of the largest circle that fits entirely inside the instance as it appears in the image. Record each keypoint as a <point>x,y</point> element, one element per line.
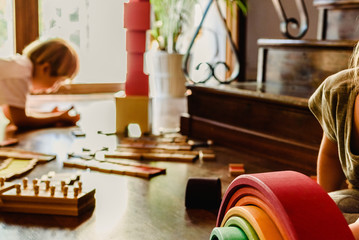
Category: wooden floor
<point>126,207</point>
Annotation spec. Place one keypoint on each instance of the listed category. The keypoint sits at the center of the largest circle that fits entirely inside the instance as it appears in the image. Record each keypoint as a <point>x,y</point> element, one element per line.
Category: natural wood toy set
<point>45,197</point>
<point>170,147</point>
<point>174,147</point>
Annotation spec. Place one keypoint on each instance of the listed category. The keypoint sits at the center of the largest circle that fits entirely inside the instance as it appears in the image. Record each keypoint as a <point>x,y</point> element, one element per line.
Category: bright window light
<point>6,28</point>
<point>96,30</point>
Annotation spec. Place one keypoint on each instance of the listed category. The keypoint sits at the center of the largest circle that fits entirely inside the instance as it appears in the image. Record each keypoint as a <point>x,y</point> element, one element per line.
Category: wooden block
<point>129,155</point>
<point>134,62</point>
<point>155,154</point>
<point>23,154</point>
<point>133,109</point>
<point>78,133</point>
<point>40,200</point>
<point>136,81</point>
<point>207,156</point>
<point>236,169</point>
<point>175,147</point>
<point>135,42</point>
<point>13,167</point>
<point>169,157</point>
<point>126,150</point>
<point>137,16</point>
<point>116,167</point>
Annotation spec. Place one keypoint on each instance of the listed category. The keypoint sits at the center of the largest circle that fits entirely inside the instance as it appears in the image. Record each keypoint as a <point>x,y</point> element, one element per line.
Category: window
<point>95,28</point>
<point>6,28</point>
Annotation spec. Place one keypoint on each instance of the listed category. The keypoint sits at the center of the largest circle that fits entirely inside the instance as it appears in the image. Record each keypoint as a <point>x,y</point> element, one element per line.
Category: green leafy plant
<point>170,17</point>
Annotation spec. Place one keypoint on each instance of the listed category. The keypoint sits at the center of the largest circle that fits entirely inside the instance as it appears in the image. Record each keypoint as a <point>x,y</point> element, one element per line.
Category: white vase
<point>166,75</point>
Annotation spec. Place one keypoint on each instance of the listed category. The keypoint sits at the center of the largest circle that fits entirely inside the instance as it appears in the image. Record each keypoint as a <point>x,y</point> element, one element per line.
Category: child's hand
<point>55,109</point>
<point>354,227</point>
<point>70,116</point>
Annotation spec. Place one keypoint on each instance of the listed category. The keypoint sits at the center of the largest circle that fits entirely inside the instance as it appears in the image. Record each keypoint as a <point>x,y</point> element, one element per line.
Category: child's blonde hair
<point>354,63</point>
<point>61,56</point>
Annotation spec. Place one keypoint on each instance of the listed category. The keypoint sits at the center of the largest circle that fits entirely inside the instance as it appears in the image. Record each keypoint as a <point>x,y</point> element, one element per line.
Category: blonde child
<point>42,66</point>
<point>336,106</point>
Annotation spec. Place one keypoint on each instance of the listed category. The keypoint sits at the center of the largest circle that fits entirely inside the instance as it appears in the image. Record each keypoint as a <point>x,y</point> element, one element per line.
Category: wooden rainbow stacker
<point>44,198</point>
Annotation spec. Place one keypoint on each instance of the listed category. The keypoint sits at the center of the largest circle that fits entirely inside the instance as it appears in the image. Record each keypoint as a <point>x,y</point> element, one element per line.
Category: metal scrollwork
<point>285,22</point>
<point>212,67</point>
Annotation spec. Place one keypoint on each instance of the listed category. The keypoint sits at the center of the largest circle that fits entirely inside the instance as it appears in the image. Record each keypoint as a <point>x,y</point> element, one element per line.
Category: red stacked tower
<point>134,105</point>
<point>137,22</point>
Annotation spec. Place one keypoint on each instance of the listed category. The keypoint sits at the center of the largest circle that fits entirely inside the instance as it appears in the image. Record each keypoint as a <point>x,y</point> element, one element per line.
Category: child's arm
<point>19,117</point>
<point>354,227</point>
<point>329,170</point>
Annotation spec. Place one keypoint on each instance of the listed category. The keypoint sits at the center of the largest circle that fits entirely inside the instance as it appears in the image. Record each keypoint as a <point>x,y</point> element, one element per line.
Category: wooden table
<point>126,207</point>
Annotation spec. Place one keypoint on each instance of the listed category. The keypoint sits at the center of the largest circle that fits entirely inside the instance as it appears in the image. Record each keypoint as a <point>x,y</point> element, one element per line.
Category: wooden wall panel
<point>26,23</point>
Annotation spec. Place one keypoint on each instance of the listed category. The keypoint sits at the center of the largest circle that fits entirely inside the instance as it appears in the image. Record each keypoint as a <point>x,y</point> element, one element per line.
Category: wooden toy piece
<point>47,185</point>
<point>4,186</point>
<point>206,155</point>
<point>65,191</point>
<point>86,156</point>
<point>137,15</point>
<point>34,182</point>
<point>236,169</point>
<point>24,182</point>
<point>135,42</point>
<point>126,154</point>
<point>125,105</point>
<point>55,178</point>
<point>116,167</point>
<point>164,146</point>
<point>46,200</point>
<point>314,177</point>
<point>169,157</point>
<point>228,233</point>
<point>12,167</point>
<point>203,193</point>
<point>2,182</point>
<point>176,139</point>
<point>52,191</point>
<point>295,203</point>
<point>18,162</point>
<point>107,133</point>
<point>154,155</point>
<point>134,59</point>
<point>79,186</point>
<point>262,224</point>
<point>18,188</point>
<point>23,154</point>
<point>78,133</point>
<point>76,192</point>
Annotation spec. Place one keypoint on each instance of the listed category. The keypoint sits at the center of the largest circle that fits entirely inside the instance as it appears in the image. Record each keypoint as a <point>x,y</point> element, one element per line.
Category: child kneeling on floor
<point>336,106</point>
<point>42,67</point>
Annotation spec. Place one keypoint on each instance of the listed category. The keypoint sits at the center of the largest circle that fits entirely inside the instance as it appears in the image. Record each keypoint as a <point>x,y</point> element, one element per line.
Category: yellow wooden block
<point>133,109</point>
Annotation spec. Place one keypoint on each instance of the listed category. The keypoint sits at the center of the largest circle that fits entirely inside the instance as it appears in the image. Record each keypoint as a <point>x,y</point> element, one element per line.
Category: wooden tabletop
<point>126,207</point>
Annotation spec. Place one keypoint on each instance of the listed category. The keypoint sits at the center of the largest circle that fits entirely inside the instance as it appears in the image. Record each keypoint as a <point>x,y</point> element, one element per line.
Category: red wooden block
<point>136,84</point>
<point>137,15</point>
<point>134,62</point>
<point>135,41</point>
<point>236,169</point>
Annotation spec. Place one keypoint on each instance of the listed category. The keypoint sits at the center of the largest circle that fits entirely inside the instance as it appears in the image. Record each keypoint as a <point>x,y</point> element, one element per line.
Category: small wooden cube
<point>236,169</point>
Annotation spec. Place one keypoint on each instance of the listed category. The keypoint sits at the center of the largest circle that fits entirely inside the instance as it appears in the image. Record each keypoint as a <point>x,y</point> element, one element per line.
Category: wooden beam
<point>26,23</point>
